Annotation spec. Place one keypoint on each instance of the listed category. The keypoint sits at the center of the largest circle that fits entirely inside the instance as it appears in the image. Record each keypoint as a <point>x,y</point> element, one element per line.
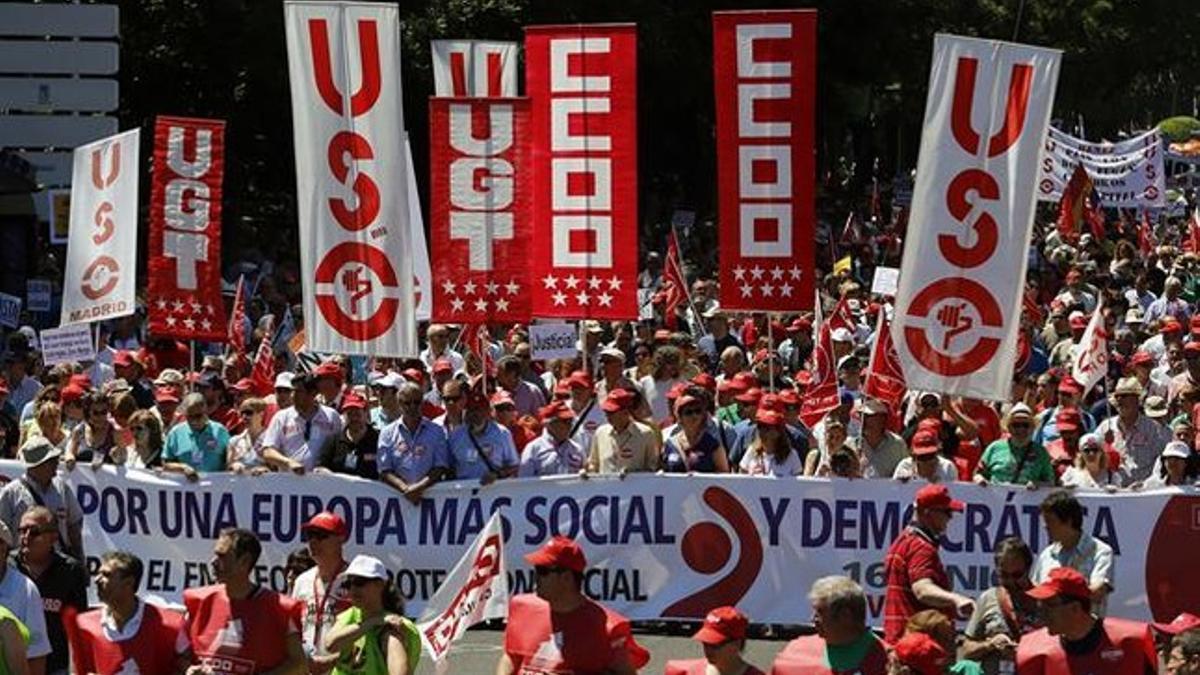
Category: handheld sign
<point>553,341</point>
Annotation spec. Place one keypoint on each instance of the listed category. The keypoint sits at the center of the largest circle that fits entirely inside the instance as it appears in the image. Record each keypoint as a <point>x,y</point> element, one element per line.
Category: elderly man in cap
<point>560,629</point>
<point>284,390</point>
<point>1137,438</point>
<point>879,449</point>
<point>198,445</point>
<point>1189,377</point>
<point>128,366</point>
<point>353,451</point>
<point>413,451</point>
<point>586,407</point>
<point>20,596</point>
<point>42,486</point>
<point>843,643</point>
<point>623,444</point>
<point>723,635</point>
<point>1016,460</point>
<point>925,461</point>
<point>389,409</point>
<point>916,578</point>
<point>481,449</point>
<point>443,372</point>
<point>1068,395</point>
<point>321,588</point>
<point>555,452</point>
<point>212,388</point>
<point>1075,640</point>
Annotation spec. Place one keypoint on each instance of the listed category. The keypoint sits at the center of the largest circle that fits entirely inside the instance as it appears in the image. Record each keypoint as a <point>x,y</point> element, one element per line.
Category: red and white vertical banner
<point>582,81</point>
<point>184,268</point>
<point>764,68</point>
<point>479,208</point>
<point>1089,364</point>
<point>351,189</point>
<point>102,245</point>
<point>958,305</point>
<point>474,68</point>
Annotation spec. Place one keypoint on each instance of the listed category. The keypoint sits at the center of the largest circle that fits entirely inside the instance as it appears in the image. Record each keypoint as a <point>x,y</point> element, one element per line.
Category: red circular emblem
<point>101,267</point>
<point>346,265</point>
<point>952,317</point>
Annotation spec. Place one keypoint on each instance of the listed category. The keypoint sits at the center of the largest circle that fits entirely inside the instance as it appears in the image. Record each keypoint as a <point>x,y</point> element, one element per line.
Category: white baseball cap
<point>391,380</point>
<point>841,335</point>
<point>284,381</point>
<point>366,567</point>
<point>1177,449</point>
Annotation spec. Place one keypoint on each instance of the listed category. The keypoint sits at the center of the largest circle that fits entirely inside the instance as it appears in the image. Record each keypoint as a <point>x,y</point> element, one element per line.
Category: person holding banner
<point>296,434</point>
<point>372,636</point>
<point>623,445</point>
<point>723,635</point>
<point>237,624</point>
<point>127,634</point>
<point>555,452</point>
<point>1075,640</point>
<point>916,578</point>
<point>843,642</point>
<point>562,630</point>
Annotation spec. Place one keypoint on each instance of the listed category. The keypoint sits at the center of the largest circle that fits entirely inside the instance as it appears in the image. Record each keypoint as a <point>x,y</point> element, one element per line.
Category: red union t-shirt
<point>587,640</point>
<point>243,636</point>
<point>913,556</point>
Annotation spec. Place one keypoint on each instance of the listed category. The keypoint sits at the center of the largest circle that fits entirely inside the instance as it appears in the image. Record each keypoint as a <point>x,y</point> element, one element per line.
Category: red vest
<point>696,667</point>
<point>1125,649</point>
<point>806,655</point>
<point>152,648</point>
<point>581,642</point>
<point>240,636</point>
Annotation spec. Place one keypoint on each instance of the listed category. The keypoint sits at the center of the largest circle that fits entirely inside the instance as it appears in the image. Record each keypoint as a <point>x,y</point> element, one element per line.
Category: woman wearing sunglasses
<point>242,453</point>
<point>145,452</point>
<point>694,446</point>
<point>1091,468</point>
<point>771,453</point>
<point>373,637</point>
<point>94,438</point>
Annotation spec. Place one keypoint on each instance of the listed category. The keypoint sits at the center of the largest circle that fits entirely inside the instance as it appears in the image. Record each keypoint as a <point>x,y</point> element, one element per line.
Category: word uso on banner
<point>660,546</point>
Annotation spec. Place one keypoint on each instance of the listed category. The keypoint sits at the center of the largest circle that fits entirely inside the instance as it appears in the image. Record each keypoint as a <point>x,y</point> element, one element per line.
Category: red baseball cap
<point>1141,359</point>
<point>414,375</point>
<point>72,393</point>
<point>442,366</point>
<point>1192,348</point>
<point>922,654</point>
<point>925,443</point>
<point>352,400</point>
<point>769,417</point>
<point>328,369</point>
<point>789,397</point>
<point>502,398</point>
<point>80,380</point>
<point>752,395</point>
<point>722,625</point>
<point>581,379</point>
<point>559,552</point>
<point>1069,386</point>
<point>937,496</point>
<point>617,399</point>
<point>747,379</point>
<point>1063,581</point>
<point>1180,624</point>
<point>676,390</point>
<point>708,382</point>
<point>1068,419</point>
<point>124,359</point>
<point>1171,326</point>
<point>769,401</point>
<point>327,521</point>
<point>556,411</point>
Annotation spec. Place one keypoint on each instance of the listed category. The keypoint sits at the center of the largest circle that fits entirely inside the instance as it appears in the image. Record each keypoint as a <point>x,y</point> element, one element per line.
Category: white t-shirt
<point>21,597</point>
<point>656,395</point>
<point>334,600</point>
<point>114,634</point>
<point>764,464</point>
<point>946,471</point>
<point>301,439</point>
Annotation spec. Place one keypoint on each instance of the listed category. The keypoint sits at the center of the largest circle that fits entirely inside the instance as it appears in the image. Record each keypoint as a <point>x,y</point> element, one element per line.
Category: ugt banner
<point>764,75</point>
<point>184,292</point>
<point>102,245</point>
<point>344,65</point>
<point>958,302</point>
<point>659,547</point>
<point>474,68</point>
<point>479,203</point>
<point>1129,173</point>
<point>582,81</point>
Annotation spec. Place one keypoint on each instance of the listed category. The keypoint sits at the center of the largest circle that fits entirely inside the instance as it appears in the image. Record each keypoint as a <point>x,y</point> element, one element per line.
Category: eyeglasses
<point>317,535</point>
<point>544,570</point>
<point>690,412</point>
<point>1091,451</point>
<point>357,582</point>
<point>138,430</point>
<point>247,413</point>
<point>34,530</point>
<point>413,401</point>
<point>452,399</point>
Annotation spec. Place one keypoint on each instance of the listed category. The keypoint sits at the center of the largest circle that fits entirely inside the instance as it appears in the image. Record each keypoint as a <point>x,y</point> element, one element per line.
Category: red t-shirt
<point>1124,648</point>
<point>240,636</point>
<point>698,667</point>
<point>587,640</point>
<point>913,556</point>
<point>154,649</point>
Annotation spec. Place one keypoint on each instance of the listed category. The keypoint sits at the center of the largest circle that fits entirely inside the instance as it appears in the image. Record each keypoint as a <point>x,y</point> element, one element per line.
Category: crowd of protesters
<point>715,393</point>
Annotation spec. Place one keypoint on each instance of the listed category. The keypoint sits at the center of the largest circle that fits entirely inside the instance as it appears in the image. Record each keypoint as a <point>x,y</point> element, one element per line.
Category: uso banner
<point>582,81</point>
<point>764,74</point>
<point>102,244</point>
<point>958,301</point>
<point>479,203</point>
<point>474,68</point>
<point>344,65</point>
<point>658,546</point>
<point>184,293</point>
<point>1125,174</point>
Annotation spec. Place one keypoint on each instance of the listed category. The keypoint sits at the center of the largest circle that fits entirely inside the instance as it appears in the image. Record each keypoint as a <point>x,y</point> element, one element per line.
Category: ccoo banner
<point>659,547</point>
<point>102,243</point>
<point>764,68</point>
<point>184,292</point>
<point>958,300</point>
<point>1125,174</point>
<point>474,68</point>
<point>479,208</point>
<point>582,81</point>
<point>344,66</point>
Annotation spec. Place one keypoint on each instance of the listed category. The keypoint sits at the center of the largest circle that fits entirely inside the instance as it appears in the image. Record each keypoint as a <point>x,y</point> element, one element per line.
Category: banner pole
<point>687,292</point>
<point>770,352</point>
<point>482,359</point>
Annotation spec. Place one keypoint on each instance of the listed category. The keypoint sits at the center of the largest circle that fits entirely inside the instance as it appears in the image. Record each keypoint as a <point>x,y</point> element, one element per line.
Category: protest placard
<point>68,344</point>
<point>553,341</point>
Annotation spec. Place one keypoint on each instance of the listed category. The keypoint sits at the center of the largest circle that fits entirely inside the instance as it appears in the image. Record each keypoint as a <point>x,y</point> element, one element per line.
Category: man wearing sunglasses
<point>561,630</point>
<point>322,591</point>
<point>295,435</point>
<point>1016,460</point>
<point>61,580</point>
<point>916,578</point>
<point>413,451</point>
<point>1075,640</point>
<point>723,635</point>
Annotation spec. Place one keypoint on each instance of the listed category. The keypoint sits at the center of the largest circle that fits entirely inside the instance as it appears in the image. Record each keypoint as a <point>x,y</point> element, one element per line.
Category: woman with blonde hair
<point>47,423</point>
<point>1091,467</point>
<point>242,453</point>
<point>145,452</point>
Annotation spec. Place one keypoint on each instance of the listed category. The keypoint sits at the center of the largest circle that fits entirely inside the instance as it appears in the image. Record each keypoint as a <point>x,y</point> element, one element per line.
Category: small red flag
<point>263,373</point>
<point>885,378</point>
<point>822,395</point>
<point>1146,242</point>
<point>237,318</point>
<point>674,283</point>
<point>1071,208</point>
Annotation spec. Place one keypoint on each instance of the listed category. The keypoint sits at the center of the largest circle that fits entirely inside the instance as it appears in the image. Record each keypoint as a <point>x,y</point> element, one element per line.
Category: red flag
<point>582,81</point>
<point>1031,309</point>
<point>822,395</point>
<point>263,373</point>
<point>674,283</point>
<point>479,213</point>
<point>1146,242</point>
<point>764,78</point>
<point>1193,240</point>
<point>236,333</point>
<point>884,379</point>
<point>1094,214</point>
<point>469,340</point>
<point>184,289</point>
<point>1072,207</point>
